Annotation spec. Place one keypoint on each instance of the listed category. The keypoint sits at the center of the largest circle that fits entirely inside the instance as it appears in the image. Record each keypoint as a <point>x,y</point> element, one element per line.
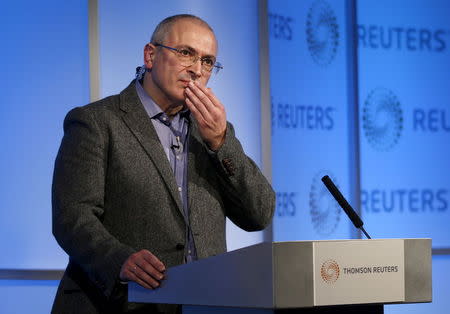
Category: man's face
<point>169,77</point>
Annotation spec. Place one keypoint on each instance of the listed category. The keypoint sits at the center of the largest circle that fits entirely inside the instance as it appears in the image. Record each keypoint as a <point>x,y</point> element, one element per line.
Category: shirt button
<point>178,157</point>
<point>189,251</point>
<point>179,189</point>
<point>164,118</point>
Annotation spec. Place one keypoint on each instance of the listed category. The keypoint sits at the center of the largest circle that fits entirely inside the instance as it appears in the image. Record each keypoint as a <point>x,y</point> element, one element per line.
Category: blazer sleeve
<point>78,201</point>
<point>248,196</point>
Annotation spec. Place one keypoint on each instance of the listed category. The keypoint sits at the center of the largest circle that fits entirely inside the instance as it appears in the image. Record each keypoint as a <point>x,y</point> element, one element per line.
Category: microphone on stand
<point>344,204</point>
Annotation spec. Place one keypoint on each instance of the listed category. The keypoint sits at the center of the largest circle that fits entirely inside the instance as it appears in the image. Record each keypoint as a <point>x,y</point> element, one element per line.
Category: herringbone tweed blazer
<point>114,193</point>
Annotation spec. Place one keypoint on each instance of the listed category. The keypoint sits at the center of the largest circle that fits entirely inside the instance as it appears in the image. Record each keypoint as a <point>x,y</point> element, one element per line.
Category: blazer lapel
<point>138,121</point>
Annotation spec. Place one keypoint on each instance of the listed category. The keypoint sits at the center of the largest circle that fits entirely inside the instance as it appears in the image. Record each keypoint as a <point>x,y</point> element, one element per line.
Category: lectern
<point>339,276</point>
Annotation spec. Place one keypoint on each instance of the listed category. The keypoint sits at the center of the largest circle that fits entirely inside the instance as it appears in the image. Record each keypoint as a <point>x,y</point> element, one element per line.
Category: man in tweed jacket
<point>133,195</point>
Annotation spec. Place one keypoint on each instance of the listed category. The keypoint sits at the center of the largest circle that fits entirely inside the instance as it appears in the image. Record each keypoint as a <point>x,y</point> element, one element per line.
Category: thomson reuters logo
<point>322,33</point>
<point>325,211</point>
<point>330,271</point>
<point>382,119</point>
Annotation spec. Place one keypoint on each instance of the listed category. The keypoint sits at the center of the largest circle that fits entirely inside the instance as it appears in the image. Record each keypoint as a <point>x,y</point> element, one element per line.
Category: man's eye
<point>185,52</point>
<point>208,62</point>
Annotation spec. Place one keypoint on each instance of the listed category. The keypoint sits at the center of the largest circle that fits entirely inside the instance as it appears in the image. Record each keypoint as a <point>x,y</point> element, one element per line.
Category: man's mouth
<point>185,82</point>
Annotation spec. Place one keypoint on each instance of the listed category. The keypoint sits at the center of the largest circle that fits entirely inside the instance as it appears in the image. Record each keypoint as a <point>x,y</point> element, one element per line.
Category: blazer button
<point>179,246</point>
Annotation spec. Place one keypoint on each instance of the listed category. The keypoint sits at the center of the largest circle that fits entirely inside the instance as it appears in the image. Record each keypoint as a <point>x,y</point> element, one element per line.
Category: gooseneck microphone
<point>344,204</point>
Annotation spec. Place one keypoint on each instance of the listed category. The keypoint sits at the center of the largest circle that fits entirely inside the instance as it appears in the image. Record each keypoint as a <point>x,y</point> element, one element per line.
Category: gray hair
<point>164,27</point>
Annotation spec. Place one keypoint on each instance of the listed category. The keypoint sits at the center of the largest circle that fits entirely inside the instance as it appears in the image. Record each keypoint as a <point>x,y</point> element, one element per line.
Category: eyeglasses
<point>188,57</point>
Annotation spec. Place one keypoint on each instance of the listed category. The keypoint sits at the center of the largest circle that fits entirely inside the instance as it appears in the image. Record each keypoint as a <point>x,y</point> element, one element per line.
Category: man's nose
<point>196,69</point>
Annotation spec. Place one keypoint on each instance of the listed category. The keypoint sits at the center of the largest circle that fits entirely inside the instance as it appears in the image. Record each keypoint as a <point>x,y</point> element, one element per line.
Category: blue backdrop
<point>45,71</point>
<point>404,62</point>
<point>360,92</point>
<point>310,118</point>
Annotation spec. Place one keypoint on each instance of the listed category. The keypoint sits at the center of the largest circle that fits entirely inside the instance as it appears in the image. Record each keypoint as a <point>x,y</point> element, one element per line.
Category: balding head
<point>164,27</point>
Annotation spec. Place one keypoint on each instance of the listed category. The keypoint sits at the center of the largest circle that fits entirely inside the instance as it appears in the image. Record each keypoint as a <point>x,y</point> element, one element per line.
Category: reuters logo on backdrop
<point>322,32</point>
<point>382,119</point>
<point>324,210</point>
<point>330,271</point>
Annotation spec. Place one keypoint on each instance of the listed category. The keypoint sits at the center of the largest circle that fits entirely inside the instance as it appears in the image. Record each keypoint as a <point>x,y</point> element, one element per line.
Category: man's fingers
<point>146,277</point>
<point>149,269</point>
<point>198,104</point>
<point>209,113</point>
<point>197,115</point>
<point>133,277</point>
<point>208,93</point>
<point>142,283</point>
<point>137,273</point>
<point>150,265</point>
<point>193,109</point>
<point>144,268</point>
<point>153,260</point>
<point>203,95</point>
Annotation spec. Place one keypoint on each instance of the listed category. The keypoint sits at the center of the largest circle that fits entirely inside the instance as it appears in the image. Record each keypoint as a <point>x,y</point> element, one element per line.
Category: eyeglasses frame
<point>217,65</point>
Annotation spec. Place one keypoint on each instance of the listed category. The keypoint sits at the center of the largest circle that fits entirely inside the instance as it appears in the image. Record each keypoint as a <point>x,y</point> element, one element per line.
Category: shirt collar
<point>153,110</point>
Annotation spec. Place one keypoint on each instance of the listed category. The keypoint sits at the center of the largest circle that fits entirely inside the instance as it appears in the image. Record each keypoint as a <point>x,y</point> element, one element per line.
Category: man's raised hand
<point>209,113</point>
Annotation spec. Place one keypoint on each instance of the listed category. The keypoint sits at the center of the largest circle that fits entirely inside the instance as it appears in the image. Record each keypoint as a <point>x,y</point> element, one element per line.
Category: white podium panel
<point>303,274</point>
<point>359,272</point>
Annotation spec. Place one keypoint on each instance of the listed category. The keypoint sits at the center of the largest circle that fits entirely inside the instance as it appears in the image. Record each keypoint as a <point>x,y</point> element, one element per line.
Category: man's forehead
<point>193,34</point>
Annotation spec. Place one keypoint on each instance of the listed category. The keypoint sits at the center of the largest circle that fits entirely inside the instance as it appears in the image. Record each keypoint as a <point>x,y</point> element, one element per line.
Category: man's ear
<point>149,55</point>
